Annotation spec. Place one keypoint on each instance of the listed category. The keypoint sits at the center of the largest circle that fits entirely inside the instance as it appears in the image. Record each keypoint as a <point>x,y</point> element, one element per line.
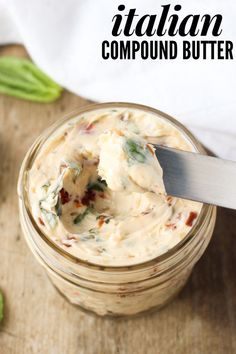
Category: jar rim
<point>38,143</point>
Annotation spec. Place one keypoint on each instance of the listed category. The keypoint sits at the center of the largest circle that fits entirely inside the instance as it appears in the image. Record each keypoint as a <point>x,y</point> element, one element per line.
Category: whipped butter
<point>96,188</point>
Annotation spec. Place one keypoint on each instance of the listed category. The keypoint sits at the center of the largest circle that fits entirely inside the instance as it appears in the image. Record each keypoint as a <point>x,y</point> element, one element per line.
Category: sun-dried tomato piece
<point>88,197</point>
<point>41,221</point>
<point>192,216</point>
<point>64,196</point>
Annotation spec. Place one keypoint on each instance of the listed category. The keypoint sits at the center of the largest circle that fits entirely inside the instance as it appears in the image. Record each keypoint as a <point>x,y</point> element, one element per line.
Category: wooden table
<point>38,320</point>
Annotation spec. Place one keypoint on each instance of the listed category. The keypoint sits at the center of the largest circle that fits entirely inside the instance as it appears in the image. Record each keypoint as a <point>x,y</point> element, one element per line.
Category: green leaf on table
<point>23,79</point>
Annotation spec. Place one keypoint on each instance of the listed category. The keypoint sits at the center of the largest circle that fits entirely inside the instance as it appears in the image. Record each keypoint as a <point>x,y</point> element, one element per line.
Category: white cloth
<point>64,39</point>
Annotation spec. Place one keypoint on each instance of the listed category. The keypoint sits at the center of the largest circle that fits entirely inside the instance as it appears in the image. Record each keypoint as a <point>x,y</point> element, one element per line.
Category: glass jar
<point>109,290</point>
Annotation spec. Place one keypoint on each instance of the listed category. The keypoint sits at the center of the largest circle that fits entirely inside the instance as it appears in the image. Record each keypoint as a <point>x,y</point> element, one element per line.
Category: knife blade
<point>198,177</point>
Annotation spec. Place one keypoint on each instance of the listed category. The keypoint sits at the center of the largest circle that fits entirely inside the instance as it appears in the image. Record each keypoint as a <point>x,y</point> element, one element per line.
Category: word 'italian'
<point>168,24</point>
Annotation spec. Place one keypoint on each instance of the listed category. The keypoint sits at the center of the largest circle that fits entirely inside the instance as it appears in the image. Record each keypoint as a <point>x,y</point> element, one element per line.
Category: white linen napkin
<point>64,39</point>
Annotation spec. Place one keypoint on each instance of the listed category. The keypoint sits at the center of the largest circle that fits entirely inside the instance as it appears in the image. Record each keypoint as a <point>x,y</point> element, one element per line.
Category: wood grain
<point>38,320</point>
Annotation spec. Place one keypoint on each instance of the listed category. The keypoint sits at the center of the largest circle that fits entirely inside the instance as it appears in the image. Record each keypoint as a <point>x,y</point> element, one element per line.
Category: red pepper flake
<point>65,243</point>
<point>192,216</point>
<point>89,127</point>
<point>146,212</point>
<point>101,221</point>
<point>102,195</point>
<point>179,215</point>
<point>150,149</point>
<point>77,203</point>
<point>169,200</point>
<point>68,241</point>
<point>64,195</point>
<point>122,117</point>
<point>95,162</point>
<point>71,237</point>
<point>88,197</point>
<point>41,221</point>
<point>118,132</point>
<point>86,127</point>
<point>171,226</point>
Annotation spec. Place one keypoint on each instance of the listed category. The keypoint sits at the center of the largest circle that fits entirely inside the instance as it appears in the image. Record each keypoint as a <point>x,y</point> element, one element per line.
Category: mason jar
<point>115,290</point>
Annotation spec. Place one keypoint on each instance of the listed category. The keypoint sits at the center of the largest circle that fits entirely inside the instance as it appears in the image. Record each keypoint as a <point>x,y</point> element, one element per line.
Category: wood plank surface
<point>37,319</point>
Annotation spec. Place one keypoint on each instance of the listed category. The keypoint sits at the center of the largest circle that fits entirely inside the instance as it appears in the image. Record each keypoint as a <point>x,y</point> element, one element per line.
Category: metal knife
<point>198,177</point>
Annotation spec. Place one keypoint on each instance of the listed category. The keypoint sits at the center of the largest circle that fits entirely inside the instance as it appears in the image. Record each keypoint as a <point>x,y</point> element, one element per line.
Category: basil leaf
<point>96,186</point>
<point>23,79</point>
<point>99,185</point>
<point>58,208</point>
<point>81,217</point>
<point>135,151</point>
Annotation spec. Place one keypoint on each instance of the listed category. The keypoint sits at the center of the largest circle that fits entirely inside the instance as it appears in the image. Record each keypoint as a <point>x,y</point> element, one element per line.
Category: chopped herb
<point>75,167</point>
<point>90,236</point>
<point>1,307</point>
<point>87,237</point>
<point>58,208</point>
<point>95,186</point>
<point>101,249</point>
<point>98,239</point>
<point>46,186</point>
<point>99,185</point>
<point>135,151</point>
<point>93,231</point>
<point>50,217</point>
<point>102,181</point>
<point>51,198</point>
<point>80,217</point>
<point>105,218</point>
<point>50,205</point>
